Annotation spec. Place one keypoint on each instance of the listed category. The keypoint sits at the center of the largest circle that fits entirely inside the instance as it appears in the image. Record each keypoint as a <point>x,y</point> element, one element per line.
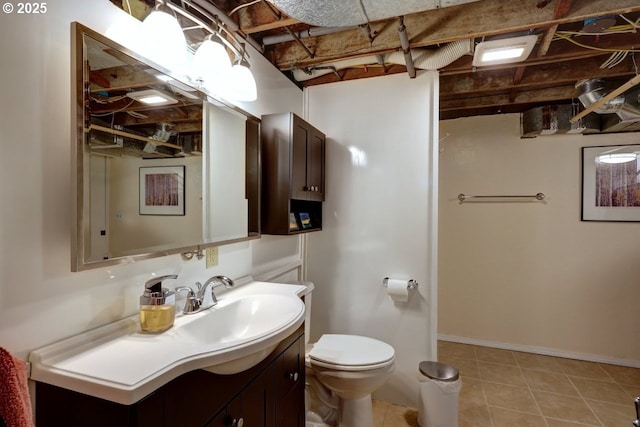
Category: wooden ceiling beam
<point>559,51</point>
<point>540,76</point>
<point>274,25</point>
<point>472,20</point>
<point>550,95</point>
<point>120,78</point>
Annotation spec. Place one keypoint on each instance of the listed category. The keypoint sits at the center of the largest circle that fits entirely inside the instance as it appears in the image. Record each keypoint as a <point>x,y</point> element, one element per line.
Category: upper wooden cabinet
<point>293,162</point>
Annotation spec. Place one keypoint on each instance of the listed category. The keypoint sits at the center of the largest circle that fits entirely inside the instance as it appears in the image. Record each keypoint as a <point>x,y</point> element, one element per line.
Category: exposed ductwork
<point>424,59</point>
<point>626,106</point>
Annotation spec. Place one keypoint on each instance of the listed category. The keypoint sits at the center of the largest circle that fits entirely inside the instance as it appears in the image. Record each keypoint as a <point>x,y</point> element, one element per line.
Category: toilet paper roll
<point>398,289</point>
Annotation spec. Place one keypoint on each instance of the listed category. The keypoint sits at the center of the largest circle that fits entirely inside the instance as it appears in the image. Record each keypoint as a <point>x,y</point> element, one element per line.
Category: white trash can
<point>438,395</point>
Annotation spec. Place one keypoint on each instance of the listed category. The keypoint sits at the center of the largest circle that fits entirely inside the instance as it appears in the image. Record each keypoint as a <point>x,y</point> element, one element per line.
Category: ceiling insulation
<point>342,13</point>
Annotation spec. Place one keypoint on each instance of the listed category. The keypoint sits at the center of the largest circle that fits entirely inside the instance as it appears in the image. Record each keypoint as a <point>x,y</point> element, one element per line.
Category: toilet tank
<point>307,310</point>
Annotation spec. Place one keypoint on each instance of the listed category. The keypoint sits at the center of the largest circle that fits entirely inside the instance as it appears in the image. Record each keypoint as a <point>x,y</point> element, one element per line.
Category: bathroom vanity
<point>238,363</point>
<point>271,394</point>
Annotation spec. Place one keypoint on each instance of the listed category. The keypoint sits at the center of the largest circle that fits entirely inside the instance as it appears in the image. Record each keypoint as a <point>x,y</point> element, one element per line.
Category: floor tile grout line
<point>586,402</point>
<point>531,393</point>
<point>484,394</point>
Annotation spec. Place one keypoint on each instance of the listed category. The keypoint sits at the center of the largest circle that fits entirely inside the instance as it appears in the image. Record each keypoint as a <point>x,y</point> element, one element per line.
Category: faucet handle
<point>192,303</point>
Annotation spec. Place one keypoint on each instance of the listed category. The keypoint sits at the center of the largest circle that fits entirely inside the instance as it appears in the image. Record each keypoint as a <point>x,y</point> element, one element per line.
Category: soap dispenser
<point>157,305</point>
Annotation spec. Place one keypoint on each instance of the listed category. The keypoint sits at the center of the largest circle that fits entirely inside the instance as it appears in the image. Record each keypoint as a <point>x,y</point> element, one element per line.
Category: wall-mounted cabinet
<point>293,164</point>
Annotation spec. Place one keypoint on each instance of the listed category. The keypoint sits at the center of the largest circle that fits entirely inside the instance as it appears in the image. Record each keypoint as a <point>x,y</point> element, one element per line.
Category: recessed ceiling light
<point>152,97</point>
<point>504,51</point>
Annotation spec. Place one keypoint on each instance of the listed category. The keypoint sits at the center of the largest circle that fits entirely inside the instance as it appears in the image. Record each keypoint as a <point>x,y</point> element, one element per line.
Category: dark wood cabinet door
<point>315,166</point>
<point>299,141</point>
<point>290,379</point>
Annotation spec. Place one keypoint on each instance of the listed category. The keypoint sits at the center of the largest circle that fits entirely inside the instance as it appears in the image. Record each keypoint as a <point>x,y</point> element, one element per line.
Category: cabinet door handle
<point>293,376</point>
<point>237,422</point>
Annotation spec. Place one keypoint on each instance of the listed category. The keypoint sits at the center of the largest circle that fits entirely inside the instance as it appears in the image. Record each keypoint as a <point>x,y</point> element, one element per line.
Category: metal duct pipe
<point>593,90</point>
<point>426,59</point>
<point>406,51</point>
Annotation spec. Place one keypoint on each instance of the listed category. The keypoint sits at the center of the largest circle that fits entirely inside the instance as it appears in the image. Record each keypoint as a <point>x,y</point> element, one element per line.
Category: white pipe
<point>424,59</point>
<point>311,32</point>
<point>427,59</point>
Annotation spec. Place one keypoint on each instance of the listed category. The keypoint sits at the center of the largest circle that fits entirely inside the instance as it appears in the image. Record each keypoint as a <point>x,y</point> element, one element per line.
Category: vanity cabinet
<point>293,174</point>
<point>271,394</point>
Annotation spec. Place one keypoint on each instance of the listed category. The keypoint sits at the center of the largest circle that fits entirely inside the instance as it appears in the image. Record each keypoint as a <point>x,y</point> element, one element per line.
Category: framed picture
<point>611,183</point>
<point>162,190</point>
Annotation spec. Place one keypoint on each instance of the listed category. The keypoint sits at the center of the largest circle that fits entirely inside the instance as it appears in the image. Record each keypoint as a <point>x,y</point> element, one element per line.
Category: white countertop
<point>121,363</point>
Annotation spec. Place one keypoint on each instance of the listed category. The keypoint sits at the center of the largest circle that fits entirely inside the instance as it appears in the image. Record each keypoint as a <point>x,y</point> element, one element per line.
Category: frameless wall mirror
<point>158,167</point>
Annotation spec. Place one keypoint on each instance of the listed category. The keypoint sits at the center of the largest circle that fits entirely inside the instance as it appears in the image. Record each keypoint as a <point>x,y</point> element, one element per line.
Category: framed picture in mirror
<point>162,190</point>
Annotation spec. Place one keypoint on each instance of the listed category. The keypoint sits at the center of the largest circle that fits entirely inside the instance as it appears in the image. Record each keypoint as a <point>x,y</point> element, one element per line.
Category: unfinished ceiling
<point>325,41</point>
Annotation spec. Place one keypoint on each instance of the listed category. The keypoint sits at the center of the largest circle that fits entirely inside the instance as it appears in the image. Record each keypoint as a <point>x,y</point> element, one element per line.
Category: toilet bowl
<point>342,372</point>
<point>352,367</point>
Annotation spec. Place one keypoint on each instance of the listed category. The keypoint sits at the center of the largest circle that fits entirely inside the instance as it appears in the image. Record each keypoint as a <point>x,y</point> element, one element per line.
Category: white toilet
<point>352,367</point>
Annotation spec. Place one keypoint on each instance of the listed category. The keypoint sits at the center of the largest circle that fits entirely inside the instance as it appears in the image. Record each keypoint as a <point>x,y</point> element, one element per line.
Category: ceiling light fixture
<point>615,158</point>
<point>504,51</point>
<point>152,97</point>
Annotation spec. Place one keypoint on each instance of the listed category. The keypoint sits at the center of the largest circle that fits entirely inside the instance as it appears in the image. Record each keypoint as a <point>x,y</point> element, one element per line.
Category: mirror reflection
<point>159,168</point>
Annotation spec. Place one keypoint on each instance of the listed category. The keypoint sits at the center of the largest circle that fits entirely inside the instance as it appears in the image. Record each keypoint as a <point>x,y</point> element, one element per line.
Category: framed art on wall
<point>162,190</point>
<point>611,183</point>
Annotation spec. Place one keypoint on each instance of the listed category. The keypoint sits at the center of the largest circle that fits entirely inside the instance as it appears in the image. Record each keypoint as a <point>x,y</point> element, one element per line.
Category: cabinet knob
<point>237,422</point>
<point>293,376</point>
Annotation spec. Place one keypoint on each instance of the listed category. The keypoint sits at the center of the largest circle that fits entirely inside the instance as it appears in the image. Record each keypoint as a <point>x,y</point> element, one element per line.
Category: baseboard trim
<point>541,350</point>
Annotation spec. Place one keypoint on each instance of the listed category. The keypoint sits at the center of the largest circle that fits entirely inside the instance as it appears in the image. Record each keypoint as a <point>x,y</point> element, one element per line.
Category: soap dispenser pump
<point>157,305</point>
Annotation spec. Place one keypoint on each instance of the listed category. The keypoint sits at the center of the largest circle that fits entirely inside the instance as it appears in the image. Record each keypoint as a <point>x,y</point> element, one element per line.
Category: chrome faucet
<point>205,296</point>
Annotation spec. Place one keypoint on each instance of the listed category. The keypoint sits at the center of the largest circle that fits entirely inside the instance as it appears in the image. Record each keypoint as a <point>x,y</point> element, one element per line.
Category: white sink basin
<point>119,362</point>
<point>243,321</point>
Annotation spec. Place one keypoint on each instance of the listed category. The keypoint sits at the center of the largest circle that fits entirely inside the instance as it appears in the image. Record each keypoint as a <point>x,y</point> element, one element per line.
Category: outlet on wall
<point>212,256</point>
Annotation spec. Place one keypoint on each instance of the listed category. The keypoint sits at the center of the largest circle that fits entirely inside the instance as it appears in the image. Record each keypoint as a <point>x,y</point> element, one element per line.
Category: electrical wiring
<point>108,100</point>
<point>113,112</point>
<point>615,59</point>
<point>586,46</point>
<point>243,6</point>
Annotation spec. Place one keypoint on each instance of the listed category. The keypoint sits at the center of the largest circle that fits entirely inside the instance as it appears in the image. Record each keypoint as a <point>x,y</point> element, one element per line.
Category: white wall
<point>381,184</point>
<point>532,275</point>
<point>41,301</point>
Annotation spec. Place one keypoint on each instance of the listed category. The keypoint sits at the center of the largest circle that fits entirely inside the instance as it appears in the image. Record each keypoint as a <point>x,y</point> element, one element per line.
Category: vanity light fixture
<point>152,97</point>
<point>503,51</point>
<point>162,39</point>
<point>164,43</point>
<point>615,158</point>
<point>243,84</point>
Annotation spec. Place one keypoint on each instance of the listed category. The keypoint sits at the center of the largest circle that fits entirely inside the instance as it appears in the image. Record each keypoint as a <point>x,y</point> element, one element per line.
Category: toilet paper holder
<point>411,284</point>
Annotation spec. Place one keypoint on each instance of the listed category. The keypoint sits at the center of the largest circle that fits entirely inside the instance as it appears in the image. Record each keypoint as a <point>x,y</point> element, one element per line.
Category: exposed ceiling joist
<point>473,20</point>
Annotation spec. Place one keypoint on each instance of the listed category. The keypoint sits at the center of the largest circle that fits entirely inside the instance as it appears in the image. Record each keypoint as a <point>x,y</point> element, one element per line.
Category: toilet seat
<point>351,353</point>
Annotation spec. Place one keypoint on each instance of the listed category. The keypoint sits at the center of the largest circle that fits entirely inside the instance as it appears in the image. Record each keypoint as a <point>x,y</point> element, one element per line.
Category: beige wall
<point>532,275</point>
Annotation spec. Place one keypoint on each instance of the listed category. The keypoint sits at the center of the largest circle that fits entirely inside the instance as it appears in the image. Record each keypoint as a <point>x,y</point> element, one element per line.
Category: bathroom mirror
<point>159,167</point>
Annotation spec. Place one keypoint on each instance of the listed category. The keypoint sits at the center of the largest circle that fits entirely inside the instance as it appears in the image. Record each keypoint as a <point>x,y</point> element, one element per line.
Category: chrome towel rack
<point>538,196</point>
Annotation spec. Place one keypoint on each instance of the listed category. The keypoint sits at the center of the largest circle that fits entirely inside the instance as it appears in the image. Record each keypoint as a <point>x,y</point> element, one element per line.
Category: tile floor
<point>502,388</point>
